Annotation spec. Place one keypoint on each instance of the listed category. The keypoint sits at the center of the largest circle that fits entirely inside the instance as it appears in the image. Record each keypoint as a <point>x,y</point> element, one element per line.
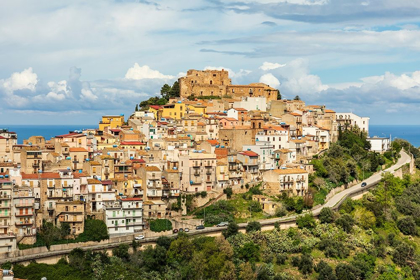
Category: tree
<point>164,241</point>
<point>306,264</point>
<point>228,192</point>
<point>347,272</point>
<point>280,211</point>
<point>165,91</point>
<point>228,271</point>
<point>403,254</point>
<point>346,222</point>
<point>175,91</point>
<point>246,272</point>
<point>94,230</point>
<point>297,97</point>
<point>365,218</point>
<point>253,226</point>
<point>306,221</point>
<point>407,225</point>
<point>249,252</point>
<point>231,230</point>
<point>121,252</point>
<point>181,249</point>
<point>326,215</point>
<point>137,107</point>
<point>278,95</point>
<point>325,271</point>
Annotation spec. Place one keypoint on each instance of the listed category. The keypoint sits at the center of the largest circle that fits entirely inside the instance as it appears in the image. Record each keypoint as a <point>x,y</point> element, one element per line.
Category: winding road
<point>333,202</point>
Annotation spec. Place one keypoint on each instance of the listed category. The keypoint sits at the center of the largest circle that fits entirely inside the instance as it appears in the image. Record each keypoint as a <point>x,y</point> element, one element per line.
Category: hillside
<point>372,238</point>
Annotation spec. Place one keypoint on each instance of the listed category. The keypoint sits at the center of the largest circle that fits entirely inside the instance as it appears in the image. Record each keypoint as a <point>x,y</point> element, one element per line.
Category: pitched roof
<point>151,168</point>
<point>78,150</point>
<point>249,153</point>
<point>213,142</point>
<point>290,171</point>
<point>156,107</point>
<point>134,143</point>
<point>93,181</point>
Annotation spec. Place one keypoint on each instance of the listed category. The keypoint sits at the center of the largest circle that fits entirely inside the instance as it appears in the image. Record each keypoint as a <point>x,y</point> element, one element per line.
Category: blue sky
<point>69,62</point>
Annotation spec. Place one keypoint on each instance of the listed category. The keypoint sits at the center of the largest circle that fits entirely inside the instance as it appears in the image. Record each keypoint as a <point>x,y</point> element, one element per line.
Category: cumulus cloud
<point>270,80</point>
<point>270,66</point>
<point>138,72</point>
<point>26,79</point>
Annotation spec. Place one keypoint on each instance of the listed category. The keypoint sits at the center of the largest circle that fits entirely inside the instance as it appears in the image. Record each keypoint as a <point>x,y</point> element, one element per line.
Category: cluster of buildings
<point>128,172</point>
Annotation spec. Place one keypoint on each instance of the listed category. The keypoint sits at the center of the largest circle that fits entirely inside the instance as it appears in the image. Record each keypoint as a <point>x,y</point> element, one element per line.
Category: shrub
<point>95,230</point>
<point>407,226</point>
<point>231,230</point>
<point>253,226</point>
<point>281,259</point>
<point>326,215</point>
<point>159,225</point>
<point>346,222</point>
<point>306,221</point>
<point>228,192</point>
<point>306,264</point>
<point>347,271</point>
<point>403,254</point>
<point>333,248</point>
<point>280,211</point>
<point>325,271</point>
<point>249,252</point>
<point>203,194</point>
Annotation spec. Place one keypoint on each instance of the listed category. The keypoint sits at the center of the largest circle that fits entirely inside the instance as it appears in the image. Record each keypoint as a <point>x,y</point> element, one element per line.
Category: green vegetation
<point>159,225</point>
<point>94,230</point>
<point>372,238</point>
<point>347,160</point>
<point>239,208</point>
<point>166,93</point>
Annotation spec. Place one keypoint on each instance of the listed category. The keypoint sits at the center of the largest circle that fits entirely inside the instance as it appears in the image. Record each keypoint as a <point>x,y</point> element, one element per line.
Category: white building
<point>252,103</point>
<point>275,135</point>
<point>379,144</point>
<point>350,119</point>
<point>124,216</point>
<point>266,151</point>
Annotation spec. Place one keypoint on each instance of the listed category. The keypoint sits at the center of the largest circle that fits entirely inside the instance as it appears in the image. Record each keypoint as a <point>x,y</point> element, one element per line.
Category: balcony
<point>50,208</point>
<point>24,205</point>
<point>208,172</point>
<point>35,165</point>
<point>196,166</point>
<point>4,215</point>
<point>24,223</point>
<point>207,164</point>
<point>197,174</point>
<point>5,197</point>
<point>24,214</point>
<point>5,206</point>
<point>71,221</point>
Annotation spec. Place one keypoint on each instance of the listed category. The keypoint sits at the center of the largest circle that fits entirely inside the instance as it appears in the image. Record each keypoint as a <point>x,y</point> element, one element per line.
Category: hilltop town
<point>204,137</point>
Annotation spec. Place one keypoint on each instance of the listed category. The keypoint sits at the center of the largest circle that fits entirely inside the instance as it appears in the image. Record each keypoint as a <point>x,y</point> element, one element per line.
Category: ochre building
<point>217,83</point>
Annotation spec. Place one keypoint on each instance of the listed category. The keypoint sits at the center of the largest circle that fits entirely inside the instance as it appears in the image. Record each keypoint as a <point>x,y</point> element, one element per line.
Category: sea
<point>47,131</point>
<point>410,133</point>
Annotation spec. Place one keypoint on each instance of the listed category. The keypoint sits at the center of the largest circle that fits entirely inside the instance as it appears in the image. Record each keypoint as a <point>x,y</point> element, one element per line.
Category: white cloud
<point>270,66</point>
<point>26,79</point>
<point>88,94</point>
<point>55,96</point>
<point>270,80</point>
<point>138,72</point>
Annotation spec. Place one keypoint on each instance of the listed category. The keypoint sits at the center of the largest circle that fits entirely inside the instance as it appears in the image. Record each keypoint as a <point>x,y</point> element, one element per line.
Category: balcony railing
<point>23,214</point>
<point>24,223</point>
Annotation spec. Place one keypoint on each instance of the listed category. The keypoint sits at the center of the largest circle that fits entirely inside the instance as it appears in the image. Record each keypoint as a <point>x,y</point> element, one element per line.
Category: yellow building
<point>198,109</point>
<point>111,122</point>
<point>174,110</point>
